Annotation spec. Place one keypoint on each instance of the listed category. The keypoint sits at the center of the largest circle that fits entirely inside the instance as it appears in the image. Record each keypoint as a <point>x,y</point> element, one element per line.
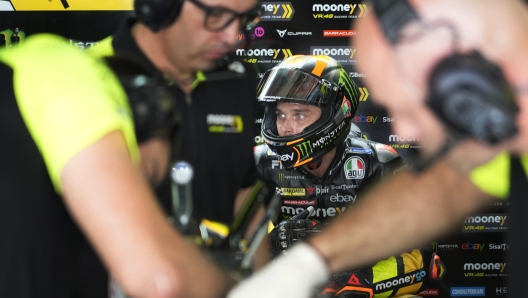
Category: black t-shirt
<point>216,136</point>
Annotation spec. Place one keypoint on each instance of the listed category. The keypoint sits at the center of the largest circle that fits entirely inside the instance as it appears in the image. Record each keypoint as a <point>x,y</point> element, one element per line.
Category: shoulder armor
<point>383,152</point>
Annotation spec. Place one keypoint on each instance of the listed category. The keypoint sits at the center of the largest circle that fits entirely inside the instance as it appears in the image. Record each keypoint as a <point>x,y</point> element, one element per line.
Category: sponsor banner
<point>342,54</point>
<point>261,55</point>
<point>276,11</point>
<point>319,212</point>
<point>487,269</point>
<point>70,5</point>
<point>338,11</point>
<point>402,142</point>
<point>339,33</point>
<point>486,223</point>
<point>468,291</point>
<point>285,32</point>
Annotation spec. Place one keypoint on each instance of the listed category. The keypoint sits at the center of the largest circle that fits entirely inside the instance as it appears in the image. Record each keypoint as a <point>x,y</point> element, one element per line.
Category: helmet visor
<point>295,85</point>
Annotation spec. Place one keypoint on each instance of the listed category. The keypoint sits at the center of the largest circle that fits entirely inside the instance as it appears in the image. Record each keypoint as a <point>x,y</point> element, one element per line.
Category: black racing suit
<point>358,164</point>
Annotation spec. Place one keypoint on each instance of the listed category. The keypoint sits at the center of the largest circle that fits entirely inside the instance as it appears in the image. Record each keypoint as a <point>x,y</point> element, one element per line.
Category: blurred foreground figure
<point>427,62</point>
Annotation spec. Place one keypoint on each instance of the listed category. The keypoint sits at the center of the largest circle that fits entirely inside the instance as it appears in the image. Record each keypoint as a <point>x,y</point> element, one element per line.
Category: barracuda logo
<point>409,279</point>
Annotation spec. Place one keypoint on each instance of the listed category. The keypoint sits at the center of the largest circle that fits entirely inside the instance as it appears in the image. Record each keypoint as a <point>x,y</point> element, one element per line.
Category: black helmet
<point>149,97</point>
<point>314,80</point>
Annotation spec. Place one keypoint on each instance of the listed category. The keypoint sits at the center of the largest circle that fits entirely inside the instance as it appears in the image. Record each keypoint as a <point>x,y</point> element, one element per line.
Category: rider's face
<point>293,118</point>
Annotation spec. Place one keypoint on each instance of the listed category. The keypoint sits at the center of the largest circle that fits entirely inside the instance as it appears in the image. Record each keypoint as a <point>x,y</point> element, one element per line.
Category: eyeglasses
<point>218,18</point>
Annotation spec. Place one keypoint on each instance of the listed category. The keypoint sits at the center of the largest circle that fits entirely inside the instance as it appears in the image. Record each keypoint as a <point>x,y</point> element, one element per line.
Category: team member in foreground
<point>72,175</point>
<point>400,210</point>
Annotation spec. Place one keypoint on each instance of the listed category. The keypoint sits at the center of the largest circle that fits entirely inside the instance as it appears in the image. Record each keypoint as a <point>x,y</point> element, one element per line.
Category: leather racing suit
<point>358,164</point>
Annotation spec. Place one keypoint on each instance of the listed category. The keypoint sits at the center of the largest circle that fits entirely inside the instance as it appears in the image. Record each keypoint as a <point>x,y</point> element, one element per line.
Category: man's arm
<point>113,205</point>
<point>404,212</point>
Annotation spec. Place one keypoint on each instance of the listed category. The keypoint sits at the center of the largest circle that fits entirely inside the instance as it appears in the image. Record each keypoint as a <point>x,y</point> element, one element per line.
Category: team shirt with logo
<point>358,163</point>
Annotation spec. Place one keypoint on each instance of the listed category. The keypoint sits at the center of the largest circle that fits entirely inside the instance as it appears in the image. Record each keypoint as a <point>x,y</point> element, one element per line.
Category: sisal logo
<point>319,212</point>
<point>354,168</point>
<point>405,280</point>
<point>265,53</point>
<point>276,11</point>
<point>502,246</point>
<point>485,267</point>
<point>284,32</point>
<point>342,54</point>
<point>338,11</point>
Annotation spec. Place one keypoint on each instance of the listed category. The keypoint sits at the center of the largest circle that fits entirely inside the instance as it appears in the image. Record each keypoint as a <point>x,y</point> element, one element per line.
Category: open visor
<point>295,85</point>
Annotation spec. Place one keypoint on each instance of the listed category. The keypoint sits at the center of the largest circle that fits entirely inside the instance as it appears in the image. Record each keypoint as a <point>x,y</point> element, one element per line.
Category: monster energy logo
<point>348,85</point>
<point>281,177</point>
<point>305,148</point>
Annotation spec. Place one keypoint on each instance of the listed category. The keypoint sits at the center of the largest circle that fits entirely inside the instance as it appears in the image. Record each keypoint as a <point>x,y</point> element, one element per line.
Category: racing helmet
<point>149,97</point>
<point>311,80</point>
